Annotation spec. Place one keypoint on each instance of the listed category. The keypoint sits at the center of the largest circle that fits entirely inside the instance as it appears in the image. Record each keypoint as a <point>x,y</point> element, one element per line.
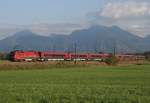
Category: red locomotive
<point>24,55</point>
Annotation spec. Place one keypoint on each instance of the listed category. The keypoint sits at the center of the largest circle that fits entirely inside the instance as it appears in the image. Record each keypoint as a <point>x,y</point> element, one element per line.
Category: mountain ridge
<point>92,39</point>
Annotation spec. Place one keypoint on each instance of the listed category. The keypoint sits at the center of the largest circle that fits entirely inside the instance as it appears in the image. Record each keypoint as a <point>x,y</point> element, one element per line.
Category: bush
<point>147,58</point>
<point>147,55</point>
<point>3,56</point>
<point>113,60</point>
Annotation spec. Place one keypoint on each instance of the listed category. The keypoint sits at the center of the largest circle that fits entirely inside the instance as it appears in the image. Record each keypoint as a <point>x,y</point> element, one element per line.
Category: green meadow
<point>88,84</point>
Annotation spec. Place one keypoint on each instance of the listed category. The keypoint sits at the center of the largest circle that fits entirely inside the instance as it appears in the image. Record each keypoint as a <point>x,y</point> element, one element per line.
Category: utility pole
<point>101,46</point>
<point>114,49</point>
<point>75,51</point>
<point>54,48</point>
<point>15,47</point>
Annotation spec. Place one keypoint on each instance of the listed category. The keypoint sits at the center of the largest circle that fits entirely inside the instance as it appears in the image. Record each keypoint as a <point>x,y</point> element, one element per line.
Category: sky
<point>46,11</point>
<point>64,16</point>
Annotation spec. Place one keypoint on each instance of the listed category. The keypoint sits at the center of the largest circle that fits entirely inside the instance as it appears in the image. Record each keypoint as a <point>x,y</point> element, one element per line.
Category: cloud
<point>7,30</point>
<point>125,10</point>
<point>48,29</point>
<point>43,29</point>
<point>126,15</point>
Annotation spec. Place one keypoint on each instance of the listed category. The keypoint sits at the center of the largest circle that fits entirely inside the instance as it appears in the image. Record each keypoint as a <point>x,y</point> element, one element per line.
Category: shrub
<point>113,60</point>
<point>147,55</point>
<point>3,56</point>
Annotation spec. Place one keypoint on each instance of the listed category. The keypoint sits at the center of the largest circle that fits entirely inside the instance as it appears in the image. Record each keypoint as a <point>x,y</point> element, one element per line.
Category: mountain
<point>93,39</point>
<point>20,40</point>
<point>26,40</point>
<point>147,39</point>
<point>146,42</point>
<point>101,38</point>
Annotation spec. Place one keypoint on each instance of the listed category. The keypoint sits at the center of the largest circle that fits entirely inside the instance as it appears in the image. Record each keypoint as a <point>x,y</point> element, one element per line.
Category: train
<point>32,56</point>
<point>20,55</point>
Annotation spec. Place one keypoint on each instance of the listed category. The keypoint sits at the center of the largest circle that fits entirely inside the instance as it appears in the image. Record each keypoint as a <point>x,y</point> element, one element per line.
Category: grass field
<point>95,84</point>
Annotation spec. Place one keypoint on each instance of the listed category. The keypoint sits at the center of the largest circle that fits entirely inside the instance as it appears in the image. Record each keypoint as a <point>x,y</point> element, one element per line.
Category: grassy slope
<point>128,84</point>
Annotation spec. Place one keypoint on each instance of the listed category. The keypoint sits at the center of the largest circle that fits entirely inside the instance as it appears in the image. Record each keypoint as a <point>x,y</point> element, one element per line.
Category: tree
<point>147,55</point>
<point>112,60</point>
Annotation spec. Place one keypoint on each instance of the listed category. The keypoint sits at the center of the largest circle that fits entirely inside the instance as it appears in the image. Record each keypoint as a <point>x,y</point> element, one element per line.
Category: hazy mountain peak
<point>24,33</point>
<point>115,27</point>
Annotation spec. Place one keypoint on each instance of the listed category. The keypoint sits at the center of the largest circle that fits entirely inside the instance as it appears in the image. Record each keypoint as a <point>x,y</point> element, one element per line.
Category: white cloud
<point>125,10</point>
<point>48,29</point>
<point>7,30</point>
<point>132,15</point>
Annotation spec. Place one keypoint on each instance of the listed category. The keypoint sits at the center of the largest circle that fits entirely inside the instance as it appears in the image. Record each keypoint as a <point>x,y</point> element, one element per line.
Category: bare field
<point>7,65</point>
